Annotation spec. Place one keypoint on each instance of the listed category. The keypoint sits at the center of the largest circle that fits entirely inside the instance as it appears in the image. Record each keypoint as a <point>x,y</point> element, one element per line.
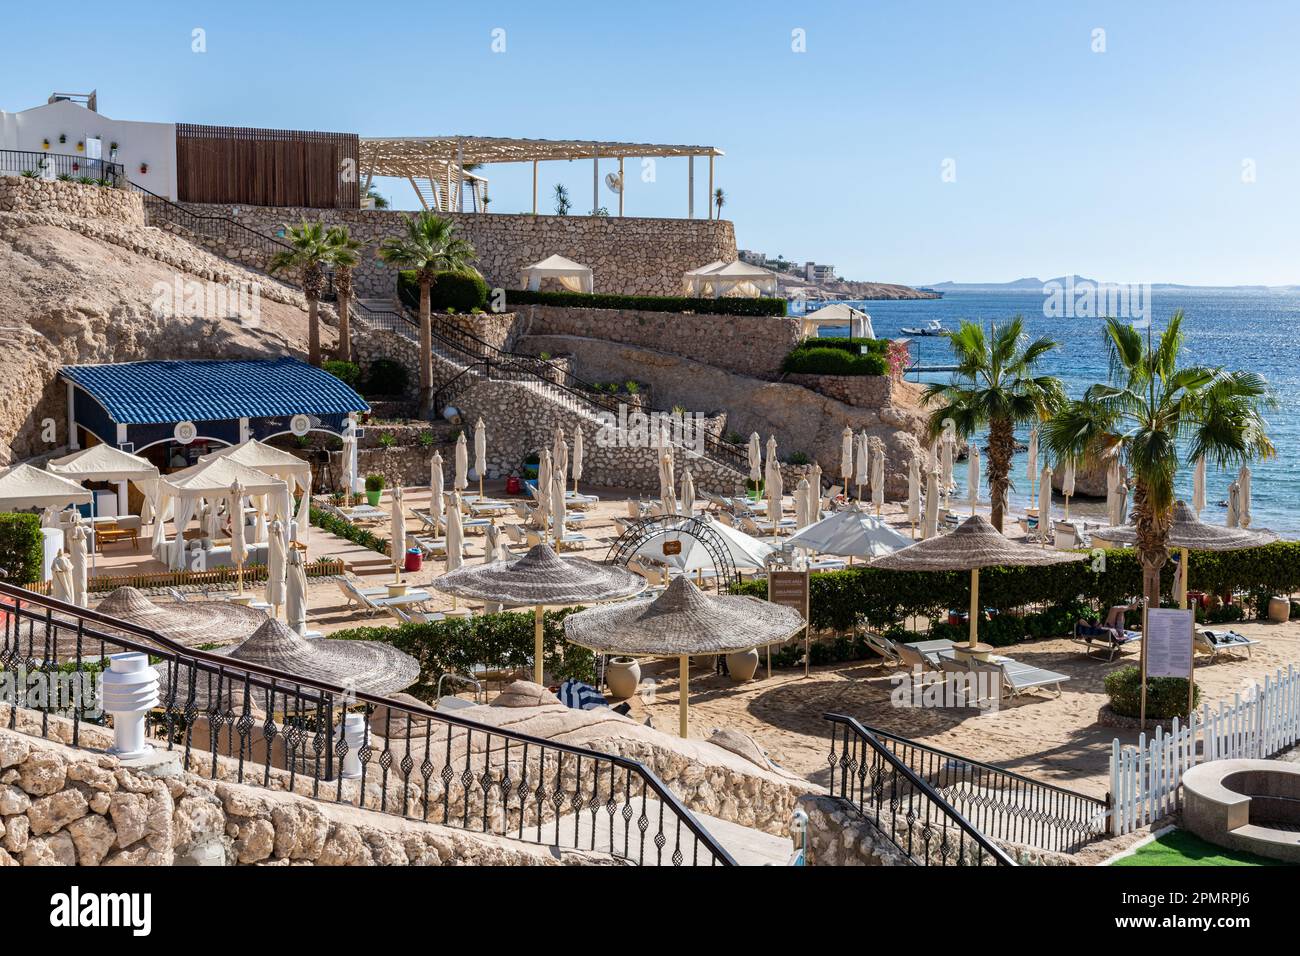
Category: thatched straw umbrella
<point>1189,533</point>
<point>539,578</point>
<point>682,622</point>
<point>975,544</point>
<point>191,623</point>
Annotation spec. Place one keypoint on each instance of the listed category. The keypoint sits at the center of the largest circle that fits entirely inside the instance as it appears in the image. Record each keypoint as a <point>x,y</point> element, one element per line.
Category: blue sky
<point>1123,165</point>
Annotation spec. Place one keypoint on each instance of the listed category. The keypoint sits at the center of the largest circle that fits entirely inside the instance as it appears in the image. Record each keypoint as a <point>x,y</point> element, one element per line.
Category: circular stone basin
<point>1249,805</point>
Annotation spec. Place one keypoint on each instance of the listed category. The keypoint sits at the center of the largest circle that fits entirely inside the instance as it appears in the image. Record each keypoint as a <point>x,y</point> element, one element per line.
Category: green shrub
<point>387,377</point>
<point>798,458</point>
<point>648,303</point>
<point>451,291</point>
<point>374,482</point>
<point>21,548</point>
<point>345,529</point>
<point>349,373</point>
<point>1166,696</point>
<point>823,360</point>
<point>387,440</point>
<point>852,346</point>
<point>503,640</point>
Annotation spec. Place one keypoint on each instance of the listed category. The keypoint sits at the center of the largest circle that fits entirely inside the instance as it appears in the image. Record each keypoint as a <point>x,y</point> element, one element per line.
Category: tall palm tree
<point>308,255</point>
<point>995,386</point>
<point>430,246</point>
<point>344,258</point>
<point>1149,406</point>
<point>719,200</point>
<point>562,203</point>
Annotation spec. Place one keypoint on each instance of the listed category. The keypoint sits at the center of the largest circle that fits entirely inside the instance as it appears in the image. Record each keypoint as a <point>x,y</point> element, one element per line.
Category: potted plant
<point>144,168</point>
<point>81,146</point>
<point>623,675</point>
<point>112,151</point>
<point>45,144</point>
<point>374,488</point>
<point>530,465</point>
<point>63,137</point>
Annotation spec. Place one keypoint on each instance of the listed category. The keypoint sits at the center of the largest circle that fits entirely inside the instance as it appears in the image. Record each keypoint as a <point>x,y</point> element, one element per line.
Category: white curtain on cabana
<point>210,481</point>
<point>278,464</point>
<point>572,275</point>
<point>729,278</point>
<point>104,462</point>
<point>838,315</point>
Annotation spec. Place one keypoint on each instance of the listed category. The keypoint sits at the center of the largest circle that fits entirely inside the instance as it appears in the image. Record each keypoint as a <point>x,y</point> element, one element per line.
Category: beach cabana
<point>973,545</point>
<point>838,315</point>
<point>718,279</point>
<point>26,486</point>
<point>850,534</point>
<point>574,276</point>
<point>540,578</point>
<point>104,462</point>
<point>277,463</point>
<point>1189,533</point>
<point>210,482</point>
<point>683,622</point>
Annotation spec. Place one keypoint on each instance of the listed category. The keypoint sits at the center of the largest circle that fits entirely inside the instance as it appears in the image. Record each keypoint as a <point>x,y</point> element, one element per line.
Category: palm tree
<point>344,258</point>
<point>995,386</point>
<point>1150,405</point>
<point>562,204</point>
<point>308,254</point>
<point>719,200</point>
<point>430,246</point>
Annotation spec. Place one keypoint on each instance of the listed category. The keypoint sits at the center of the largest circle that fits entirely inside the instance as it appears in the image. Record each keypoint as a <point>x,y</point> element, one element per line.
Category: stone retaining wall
<point>22,194</point>
<point>861,391</point>
<point>627,255</point>
<point>749,345</point>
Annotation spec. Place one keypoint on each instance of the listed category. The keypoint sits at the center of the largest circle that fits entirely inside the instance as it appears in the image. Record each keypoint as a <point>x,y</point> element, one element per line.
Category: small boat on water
<point>933,327</point>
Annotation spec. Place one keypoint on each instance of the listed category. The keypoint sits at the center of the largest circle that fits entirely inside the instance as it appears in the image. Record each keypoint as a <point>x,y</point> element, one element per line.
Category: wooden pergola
<point>435,165</point>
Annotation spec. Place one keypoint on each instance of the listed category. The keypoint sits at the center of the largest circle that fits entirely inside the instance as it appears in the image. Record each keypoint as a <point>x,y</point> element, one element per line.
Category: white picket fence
<point>1146,780</point>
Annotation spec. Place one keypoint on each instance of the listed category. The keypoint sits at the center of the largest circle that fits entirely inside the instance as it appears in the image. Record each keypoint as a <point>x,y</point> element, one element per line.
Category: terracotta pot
<point>1279,610</point>
<point>742,664</point>
<point>622,677</point>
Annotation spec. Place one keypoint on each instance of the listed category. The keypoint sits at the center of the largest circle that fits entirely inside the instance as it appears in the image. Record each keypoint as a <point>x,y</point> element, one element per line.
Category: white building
<point>816,272</point>
<point>68,128</point>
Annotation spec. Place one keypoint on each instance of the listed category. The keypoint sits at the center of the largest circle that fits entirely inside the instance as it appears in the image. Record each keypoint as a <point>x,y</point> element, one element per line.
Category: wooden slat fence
<point>267,167</point>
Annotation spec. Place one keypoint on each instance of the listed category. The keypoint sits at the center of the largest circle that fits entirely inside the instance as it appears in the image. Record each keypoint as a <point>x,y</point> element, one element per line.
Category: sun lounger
<point>408,616</point>
<point>356,594</point>
<point>883,646</point>
<point>1213,642</point>
<point>1020,678</point>
<point>919,655</point>
<point>1113,638</point>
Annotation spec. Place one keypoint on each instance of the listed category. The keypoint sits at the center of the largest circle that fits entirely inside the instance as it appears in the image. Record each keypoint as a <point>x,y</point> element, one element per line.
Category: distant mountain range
<point>1035,284</point>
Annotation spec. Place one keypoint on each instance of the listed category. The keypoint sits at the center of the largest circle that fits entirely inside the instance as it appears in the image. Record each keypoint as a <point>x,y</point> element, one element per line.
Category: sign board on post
<point>789,589</point>
<point>1167,649</point>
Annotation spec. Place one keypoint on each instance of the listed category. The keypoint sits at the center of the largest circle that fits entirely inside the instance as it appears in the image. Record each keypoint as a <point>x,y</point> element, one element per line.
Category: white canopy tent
<point>729,278</point>
<point>572,275</point>
<point>26,486</point>
<point>850,533</point>
<point>277,463</point>
<point>104,462</point>
<point>209,481</point>
<point>838,315</point>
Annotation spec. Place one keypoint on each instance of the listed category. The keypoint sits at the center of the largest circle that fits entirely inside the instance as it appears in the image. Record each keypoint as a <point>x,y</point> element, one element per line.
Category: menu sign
<point>1168,642</point>
<point>789,589</point>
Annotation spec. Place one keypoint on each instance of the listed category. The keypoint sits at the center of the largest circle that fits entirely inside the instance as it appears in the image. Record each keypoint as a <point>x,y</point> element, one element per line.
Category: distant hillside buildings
<point>811,271</point>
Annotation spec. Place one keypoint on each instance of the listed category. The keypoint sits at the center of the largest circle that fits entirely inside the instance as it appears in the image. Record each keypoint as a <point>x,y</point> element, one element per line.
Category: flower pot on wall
<point>742,665</point>
<point>622,676</point>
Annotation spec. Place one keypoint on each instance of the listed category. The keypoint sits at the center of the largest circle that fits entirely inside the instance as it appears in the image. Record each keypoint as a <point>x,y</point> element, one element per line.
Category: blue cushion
<point>581,696</point>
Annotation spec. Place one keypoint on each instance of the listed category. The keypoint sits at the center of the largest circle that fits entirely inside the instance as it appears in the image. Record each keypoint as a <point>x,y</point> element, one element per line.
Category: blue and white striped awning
<point>145,393</point>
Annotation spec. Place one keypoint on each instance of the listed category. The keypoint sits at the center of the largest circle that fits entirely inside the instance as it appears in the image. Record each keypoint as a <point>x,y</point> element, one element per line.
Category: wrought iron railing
<point>1004,805</point>
<point>61,165</point>
<point>901,806</point>
<point>220,228</point>
<point>246,722</point>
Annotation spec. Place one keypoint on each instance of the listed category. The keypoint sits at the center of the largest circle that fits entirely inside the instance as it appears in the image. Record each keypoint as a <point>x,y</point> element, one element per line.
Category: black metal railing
<point>900,805</point>
<point>62,166</point>
<point>241,721</point>
<point>220,228</point>
<point>1004,805</point>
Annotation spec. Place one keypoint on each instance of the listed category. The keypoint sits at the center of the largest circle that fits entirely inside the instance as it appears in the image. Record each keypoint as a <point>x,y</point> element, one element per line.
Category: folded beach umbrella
<point>397,525</point>
<point>1198,486</point>
<point>480,453</point>
<point>238,547</point>
<point>973,477</point>
<point>576,466</point>
<point>688,493</point>
<point>1031,464</point>
<point>540,578</point>
<point>455,544</point>
<point>295,592</point>
<point>846,456</point>
<point>542,516</point>
<point>61,579</point>
<point>491,544</point>
<point>863,476</point>
<point>1187,532</point>
<point>771,452</point>
<point>190,623</point>
<point>557,508</point>
<point>973,545</point>
<point>461,479</point>
<point>276,561</point>
<point>801,492</point>
<point>775,488</point>
<point>878,477</point>
<point>815,483</point>
<point>349,467</point>
<point>1067,485</point>
<point>947,477</point>
<point>755,451</point>
<point>78,548</point>
<point>1234,505</point>
<point>930,526</point>
<point>914,492</point>
<point>560,455</point>
<point>437,485</point>
<point>1114,496</point>
<point>1044,503</point>
<point>1243,483</point>
<point>681,622</point>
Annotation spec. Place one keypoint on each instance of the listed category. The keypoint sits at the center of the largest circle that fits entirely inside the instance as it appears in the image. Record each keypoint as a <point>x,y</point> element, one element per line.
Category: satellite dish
<point>614,181</point>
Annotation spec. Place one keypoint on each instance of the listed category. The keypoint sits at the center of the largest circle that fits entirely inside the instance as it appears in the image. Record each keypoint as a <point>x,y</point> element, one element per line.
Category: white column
<point>622,185</point>
<point>690,187</point>
<point>72,419</point>
<point>121,485</point>
<point>709,199</point>
<point>534,187</point>
<point>243,430</point>
<point>460,177</point>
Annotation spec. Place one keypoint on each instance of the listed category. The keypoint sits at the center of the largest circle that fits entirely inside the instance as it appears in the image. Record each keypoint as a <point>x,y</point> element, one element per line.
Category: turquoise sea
<point>1258,330</point>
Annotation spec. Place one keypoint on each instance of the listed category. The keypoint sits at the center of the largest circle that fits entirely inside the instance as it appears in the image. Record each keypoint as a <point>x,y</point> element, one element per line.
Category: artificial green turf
<point>1181,848</point>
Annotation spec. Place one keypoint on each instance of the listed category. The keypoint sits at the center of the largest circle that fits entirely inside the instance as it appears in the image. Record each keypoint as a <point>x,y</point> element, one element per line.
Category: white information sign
<point>1168,642</point>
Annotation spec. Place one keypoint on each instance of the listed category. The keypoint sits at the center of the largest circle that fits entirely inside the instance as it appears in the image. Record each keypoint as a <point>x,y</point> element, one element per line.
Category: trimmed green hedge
<point>843,600</point>
<point>346,529</point>
<point>349,373</point>
<point>1166,696</point>
<point>828,360</point>
<point>462,291</point>
<point>503,640</point>
<point>852,346</point>
<point>648,303</point>
<point>21,548</point>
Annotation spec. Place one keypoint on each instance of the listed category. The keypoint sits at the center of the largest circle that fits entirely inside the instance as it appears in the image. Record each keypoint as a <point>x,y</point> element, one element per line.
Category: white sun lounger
<point>1213,642</point>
